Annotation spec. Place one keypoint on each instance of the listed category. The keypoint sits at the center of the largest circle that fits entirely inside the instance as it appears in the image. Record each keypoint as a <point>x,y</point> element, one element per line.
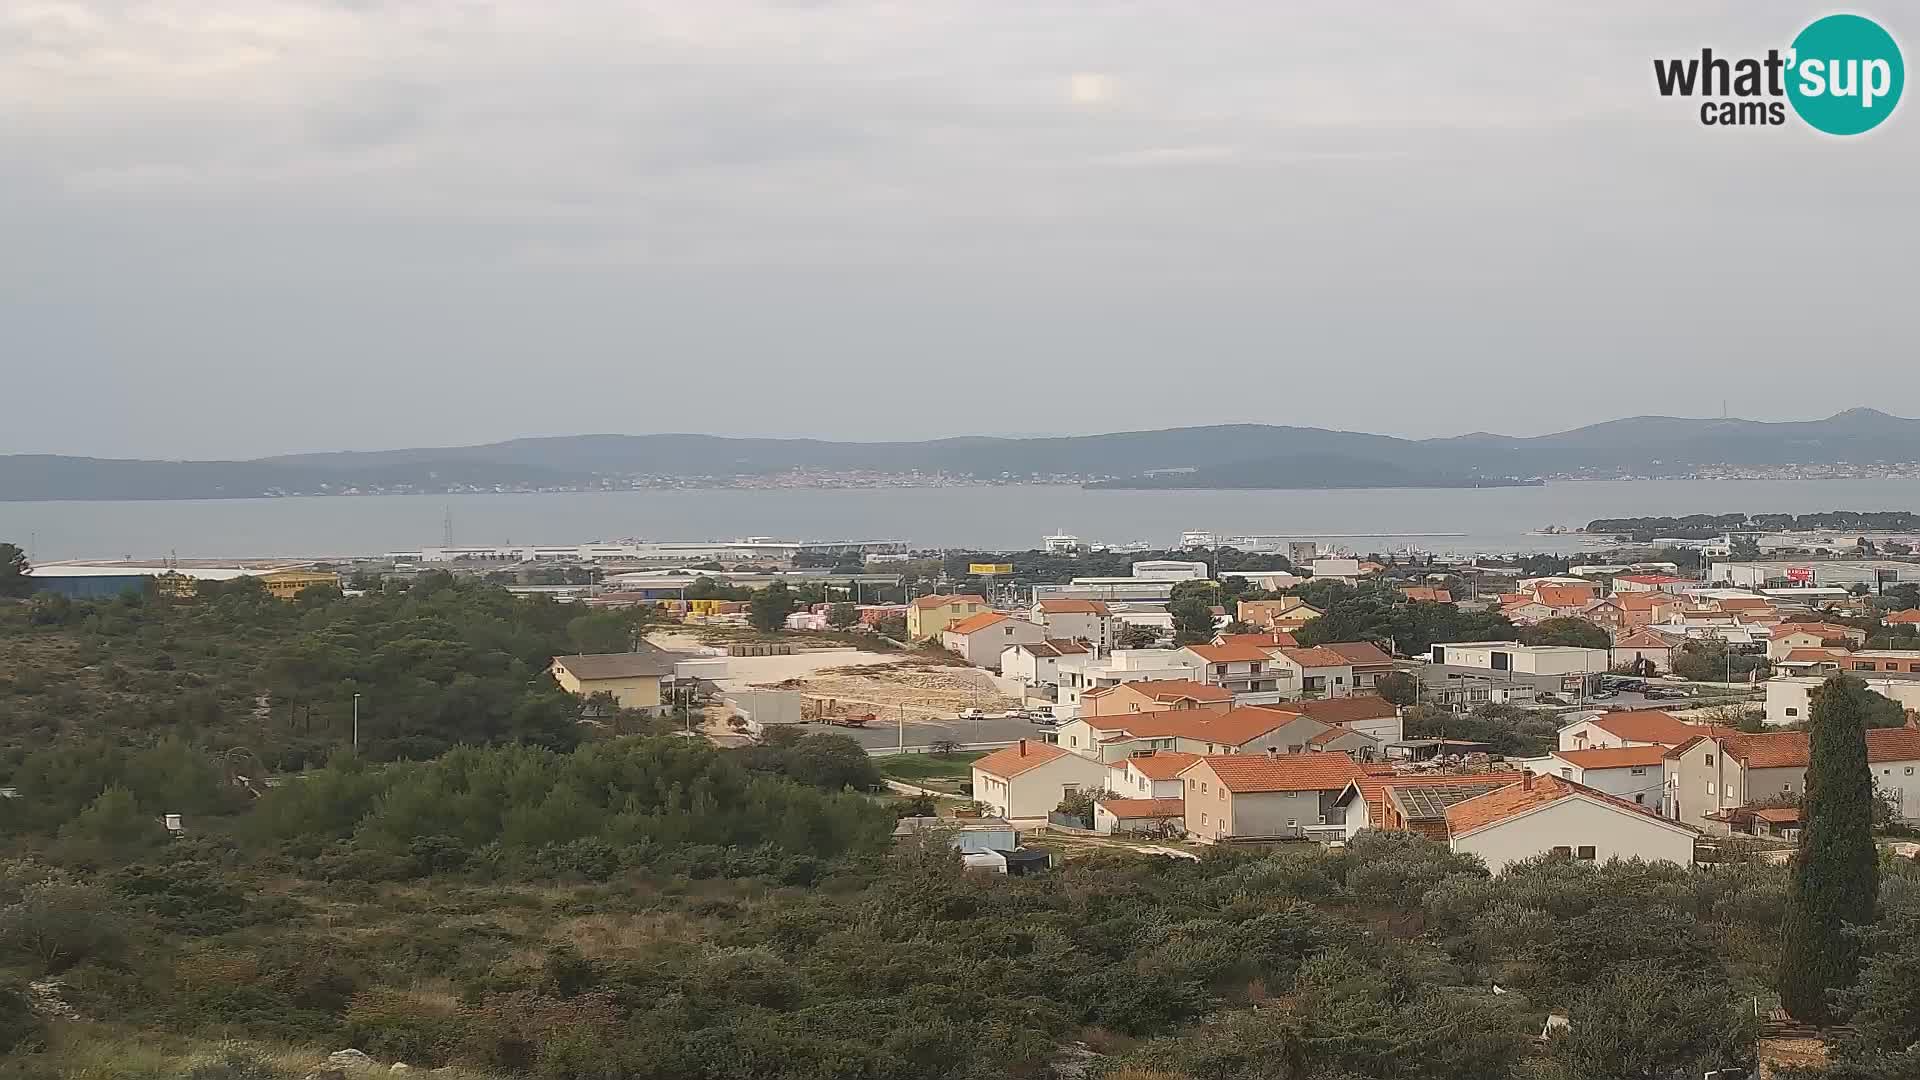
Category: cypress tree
<point>1836,873</point>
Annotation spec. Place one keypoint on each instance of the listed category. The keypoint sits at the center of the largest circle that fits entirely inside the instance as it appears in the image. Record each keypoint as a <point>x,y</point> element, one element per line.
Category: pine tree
<point>1836,874</point>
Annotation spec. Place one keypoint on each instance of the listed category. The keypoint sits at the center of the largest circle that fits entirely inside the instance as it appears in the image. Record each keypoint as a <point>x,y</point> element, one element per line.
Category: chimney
<point>1526,779</point>
<point>1273,752</point>
<point>1023,748</point>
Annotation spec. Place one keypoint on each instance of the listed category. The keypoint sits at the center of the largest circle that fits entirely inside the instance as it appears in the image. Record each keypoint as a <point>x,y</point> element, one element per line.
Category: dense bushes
<point>662,802</point>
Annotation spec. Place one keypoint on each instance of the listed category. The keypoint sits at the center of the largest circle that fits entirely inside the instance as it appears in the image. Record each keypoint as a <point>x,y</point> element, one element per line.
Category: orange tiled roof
<point>1229,654</point>
<point>1315,657</point>
<point>1235,727</point>
<point>1514,799</point>
<point>1564,596</point>
<point>1053,647</point>
<point>1814,656</point>
<point>1160,764</point>
<point>1134,809</point>
<point>1073,607</point>
<point>1339,710</point>
<point>1023,756</point>
<point>1904,618</point>
<point>1254,773</point>
<point>1643,639</point>
<point>1651,726</point>
<point>975,623</point>
<point>1614,757</point>
<point>1819,630</point>
<point>1359,652</point>
<point>1177,689</point>
<point>1423,594</point>
<point>1640,601</point>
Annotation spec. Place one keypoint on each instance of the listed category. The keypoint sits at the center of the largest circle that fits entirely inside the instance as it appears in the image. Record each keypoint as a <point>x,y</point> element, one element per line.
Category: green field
<point>919,768</point>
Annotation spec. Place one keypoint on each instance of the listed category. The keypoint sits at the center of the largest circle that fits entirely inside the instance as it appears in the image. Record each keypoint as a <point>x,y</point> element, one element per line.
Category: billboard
<point>1802,574</point>
<point>986,568</point>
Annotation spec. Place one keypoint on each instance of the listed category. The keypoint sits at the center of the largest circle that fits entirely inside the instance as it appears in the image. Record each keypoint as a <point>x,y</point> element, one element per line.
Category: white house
<point>1037,663</point>
<point>1028,779</point>
<point>1336,570</point>
<point>1149,774</point>
<point>1121,815</point>
<point>1551,815</point>
<point>980,639</point>
<point>1317,672</point>
<point>1790,697</point>
<point>1090,621</point>
<point>1524,659</point>
<point>1169,570</point>
<point>1635,773</point>
<point>1078,674</point>
<point>1640,727</point>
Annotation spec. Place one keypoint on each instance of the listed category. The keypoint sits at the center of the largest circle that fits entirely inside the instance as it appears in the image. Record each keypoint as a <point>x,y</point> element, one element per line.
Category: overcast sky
<point>240,227</point>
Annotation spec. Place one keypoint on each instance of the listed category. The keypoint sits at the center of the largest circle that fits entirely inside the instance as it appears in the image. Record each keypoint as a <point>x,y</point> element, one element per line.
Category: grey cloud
<point>455,221</point>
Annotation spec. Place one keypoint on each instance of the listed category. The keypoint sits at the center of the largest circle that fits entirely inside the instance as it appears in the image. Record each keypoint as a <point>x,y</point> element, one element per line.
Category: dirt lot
<point>844,681</point>
<point>915,687</point>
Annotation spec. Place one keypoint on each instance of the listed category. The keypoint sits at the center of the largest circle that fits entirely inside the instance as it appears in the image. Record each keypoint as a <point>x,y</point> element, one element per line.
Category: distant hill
<point>1227,456</point>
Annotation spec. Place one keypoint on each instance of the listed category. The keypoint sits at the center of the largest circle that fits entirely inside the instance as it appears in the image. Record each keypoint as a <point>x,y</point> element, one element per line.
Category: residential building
<point>1241,669</point>
<point>633,679</point>
<point>1192,731</point>
<point>980,639</point>
<point>1909,617</point>
<point>1078,674</point>
<point>1712,774</point>
<point>1287,613</point>
<point>1424,594</point>
<point>1153,695</point>
<point>1367,660</point>
<point>1525,659</point>
<point>1637,774</point>
<point>1790,697</point>
<point>1553,815</point>
<point>1788,636</point>
<point>1037,663</point>
<point>1412,802</point>
<point>1369,714</point>
<point>1780,573</point>
<point>1110,589</point>
<point>1638,727</point>
<point>1091,621</point>
<point>928,616</point>
<point>1264,796</point>
<point>1156,816</point>
<point>1149,774</point>
<point>1029,778</point>
<point>1645,652</point>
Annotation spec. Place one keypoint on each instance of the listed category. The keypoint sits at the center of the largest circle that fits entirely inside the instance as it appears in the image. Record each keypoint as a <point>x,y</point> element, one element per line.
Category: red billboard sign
<point>1801,574</point>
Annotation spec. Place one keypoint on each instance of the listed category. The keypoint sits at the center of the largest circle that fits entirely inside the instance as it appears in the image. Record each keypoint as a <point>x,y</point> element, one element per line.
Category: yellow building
<point>929,616</point>
<point>287,584</point>
<point>634,679</point>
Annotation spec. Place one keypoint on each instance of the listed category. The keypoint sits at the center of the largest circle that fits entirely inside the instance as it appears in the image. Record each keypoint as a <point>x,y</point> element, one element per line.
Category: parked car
<point>972,714</point>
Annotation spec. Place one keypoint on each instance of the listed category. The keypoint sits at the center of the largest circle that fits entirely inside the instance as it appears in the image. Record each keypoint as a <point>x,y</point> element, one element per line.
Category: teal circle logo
<point>1845,75</point>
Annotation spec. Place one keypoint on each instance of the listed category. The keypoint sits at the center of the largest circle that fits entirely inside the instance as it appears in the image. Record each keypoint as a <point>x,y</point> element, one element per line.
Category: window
<point>1567,772</point>
<point>1637,770</point>
<point>1640,799</point>
<point>1863,665</point>
<point>1909,770</point>
<point>1203,817</point>
<point>1203,787</point>
<point>1073,740</point>
<point>1791,711</point>
<point>1292,823</point>
<point>1786,787</point>
<point>1709,787</point>
<point>1709,759</point>
<point>1586,851</point>
<point>1223,795</point>
<point>1562,850</point>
